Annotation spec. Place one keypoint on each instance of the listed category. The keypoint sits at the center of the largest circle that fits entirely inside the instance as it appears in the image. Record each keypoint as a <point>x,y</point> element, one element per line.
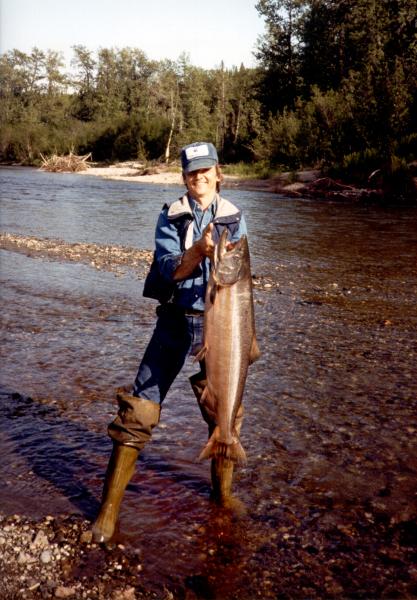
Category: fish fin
<point>216,448</point>
<point>205,394</point>
<point>255,353</point>
<point>207,451</point>
<point>201,355</point>
<point>237,453</point>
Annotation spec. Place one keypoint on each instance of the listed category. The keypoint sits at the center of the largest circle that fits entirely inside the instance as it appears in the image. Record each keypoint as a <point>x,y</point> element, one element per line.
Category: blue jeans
<point>175,337</point>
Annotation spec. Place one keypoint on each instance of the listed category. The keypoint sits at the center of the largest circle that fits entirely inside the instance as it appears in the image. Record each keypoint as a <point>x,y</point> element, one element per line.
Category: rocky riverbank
<point>101,257</point>
<point>369,557</point>
<point>115,259</point>
<point>55,558</point>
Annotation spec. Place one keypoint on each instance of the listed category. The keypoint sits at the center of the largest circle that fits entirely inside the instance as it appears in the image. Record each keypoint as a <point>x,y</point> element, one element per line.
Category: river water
<point>330,427</point>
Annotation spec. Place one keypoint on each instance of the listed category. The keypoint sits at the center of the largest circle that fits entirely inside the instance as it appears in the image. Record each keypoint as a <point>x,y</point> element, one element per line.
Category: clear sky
<point>209,31</point>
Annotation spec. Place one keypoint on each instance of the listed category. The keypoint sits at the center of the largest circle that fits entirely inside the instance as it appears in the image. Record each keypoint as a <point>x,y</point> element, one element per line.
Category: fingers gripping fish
<point>229,344</point>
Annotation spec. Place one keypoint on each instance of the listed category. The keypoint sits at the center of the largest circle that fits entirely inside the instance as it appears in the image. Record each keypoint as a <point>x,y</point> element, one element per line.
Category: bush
<point>393,178</point>
<point>277,142</point>
<point>356,167</point>
<point>327,129</point>
<point>407,147</point>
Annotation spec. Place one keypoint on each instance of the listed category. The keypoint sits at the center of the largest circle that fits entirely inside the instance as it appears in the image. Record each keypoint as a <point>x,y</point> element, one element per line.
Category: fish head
<point>231,261</point>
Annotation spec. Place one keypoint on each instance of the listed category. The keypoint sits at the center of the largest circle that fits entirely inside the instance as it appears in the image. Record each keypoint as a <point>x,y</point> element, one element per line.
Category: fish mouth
<point>229,262</point>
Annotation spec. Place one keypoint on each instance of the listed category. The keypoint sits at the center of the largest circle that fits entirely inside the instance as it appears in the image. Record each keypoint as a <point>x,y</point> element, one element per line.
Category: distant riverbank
<point>308,183</point>
<point>131,171</point>
<point>289,183</point>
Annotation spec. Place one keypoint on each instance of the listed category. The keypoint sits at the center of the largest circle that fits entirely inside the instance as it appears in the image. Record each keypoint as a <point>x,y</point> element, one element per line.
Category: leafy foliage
<point>336,83</point>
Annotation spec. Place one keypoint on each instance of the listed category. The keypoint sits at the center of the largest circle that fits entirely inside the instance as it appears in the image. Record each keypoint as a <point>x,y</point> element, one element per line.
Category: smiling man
<point>186,233</point>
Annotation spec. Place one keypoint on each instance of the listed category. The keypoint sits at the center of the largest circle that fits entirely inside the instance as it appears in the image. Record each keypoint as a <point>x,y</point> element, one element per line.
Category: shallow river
<point>330,428</point>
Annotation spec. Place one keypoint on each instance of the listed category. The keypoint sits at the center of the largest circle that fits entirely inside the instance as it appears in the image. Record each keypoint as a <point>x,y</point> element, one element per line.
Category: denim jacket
<point>179,225</point>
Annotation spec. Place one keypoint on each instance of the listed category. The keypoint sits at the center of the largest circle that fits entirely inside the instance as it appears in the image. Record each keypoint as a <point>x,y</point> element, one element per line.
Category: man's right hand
<point>204,247</point>
<point>205,243</point>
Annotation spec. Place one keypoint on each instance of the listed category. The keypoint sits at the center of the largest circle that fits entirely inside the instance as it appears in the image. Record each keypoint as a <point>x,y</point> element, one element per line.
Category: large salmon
<point>229,344</point>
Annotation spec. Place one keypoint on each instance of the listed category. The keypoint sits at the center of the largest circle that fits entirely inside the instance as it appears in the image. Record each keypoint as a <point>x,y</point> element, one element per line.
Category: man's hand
<point>205,243</point>
<point>194,255</point>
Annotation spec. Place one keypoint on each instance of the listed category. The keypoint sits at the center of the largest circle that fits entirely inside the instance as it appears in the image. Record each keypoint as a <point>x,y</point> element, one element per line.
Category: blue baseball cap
<point>200,155</point>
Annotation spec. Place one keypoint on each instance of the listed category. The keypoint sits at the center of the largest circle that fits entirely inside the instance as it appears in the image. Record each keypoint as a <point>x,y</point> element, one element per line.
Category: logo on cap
<point>197,151</point>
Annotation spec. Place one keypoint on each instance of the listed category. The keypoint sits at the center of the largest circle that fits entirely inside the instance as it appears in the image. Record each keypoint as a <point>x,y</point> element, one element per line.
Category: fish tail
<point>216,448</point>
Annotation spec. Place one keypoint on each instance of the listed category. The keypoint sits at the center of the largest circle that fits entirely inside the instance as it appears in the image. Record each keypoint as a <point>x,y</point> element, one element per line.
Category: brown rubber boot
<point>119,472</point>
<point>222,476</point>
<point>135,420</point>
<point>221,468</point>
<point>221,481</point>
<point>130,431</point>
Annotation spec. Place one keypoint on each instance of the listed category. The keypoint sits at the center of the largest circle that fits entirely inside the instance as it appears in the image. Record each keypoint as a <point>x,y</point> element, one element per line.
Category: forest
<point>334,87</point>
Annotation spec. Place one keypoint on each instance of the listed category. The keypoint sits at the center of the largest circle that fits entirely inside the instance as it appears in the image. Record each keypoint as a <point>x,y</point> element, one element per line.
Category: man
<point>186,233</point>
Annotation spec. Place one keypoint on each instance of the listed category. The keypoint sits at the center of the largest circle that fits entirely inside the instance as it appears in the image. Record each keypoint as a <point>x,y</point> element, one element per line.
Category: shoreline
<point>131,171</point>
<point>306,183</point>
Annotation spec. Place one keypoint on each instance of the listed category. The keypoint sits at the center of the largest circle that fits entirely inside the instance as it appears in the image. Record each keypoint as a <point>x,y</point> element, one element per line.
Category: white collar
<point>182,207</point>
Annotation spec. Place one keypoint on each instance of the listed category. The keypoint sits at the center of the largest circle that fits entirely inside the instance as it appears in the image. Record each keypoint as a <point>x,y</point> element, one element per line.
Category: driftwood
<point>325,187</point>
<point>329,189</point>
<point>398,188</point>
<point>70,163</point>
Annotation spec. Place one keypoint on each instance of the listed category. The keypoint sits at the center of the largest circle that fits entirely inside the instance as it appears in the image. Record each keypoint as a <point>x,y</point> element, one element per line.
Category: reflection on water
<point>330,423</point>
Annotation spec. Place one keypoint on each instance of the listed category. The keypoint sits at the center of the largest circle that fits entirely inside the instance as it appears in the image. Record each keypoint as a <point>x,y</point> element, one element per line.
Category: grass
<point>249,170</point>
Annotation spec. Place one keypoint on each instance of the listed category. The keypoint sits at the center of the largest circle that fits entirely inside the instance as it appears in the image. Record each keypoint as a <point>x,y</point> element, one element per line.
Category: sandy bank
<point>308,183</point>
<point>131,171</point>
<point>135,172</point>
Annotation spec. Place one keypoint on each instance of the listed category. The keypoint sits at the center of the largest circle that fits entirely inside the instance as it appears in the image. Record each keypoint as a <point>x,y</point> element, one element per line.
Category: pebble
<point>46,556</point>
<point>65,592</point>
<point>86,537</point>
<point>22,558</point>
<point>128,594</point>
<point>40,539</point>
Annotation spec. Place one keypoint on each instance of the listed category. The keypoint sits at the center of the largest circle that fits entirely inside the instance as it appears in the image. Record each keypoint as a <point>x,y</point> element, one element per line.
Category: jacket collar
<point>181,207</point>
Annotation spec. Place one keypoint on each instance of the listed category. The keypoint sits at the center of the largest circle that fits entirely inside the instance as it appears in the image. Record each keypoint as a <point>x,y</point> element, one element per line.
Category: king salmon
<point>229,344</point>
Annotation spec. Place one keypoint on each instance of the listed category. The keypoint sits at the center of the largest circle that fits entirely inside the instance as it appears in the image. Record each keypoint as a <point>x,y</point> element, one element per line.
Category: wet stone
<point>46,556</point>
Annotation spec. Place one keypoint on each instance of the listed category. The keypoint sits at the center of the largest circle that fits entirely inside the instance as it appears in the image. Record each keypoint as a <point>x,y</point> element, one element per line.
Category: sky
<point>209,31</point>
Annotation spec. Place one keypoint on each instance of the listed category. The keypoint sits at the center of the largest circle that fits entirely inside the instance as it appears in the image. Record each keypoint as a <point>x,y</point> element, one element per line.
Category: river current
<point>330,427</point>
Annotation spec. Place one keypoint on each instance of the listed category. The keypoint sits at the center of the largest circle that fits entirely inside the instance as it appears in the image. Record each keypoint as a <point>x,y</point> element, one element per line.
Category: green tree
<point>86,102</point>
<point>110,107</point>
<point>279,52</point>
<point>194,103</point>
<point>165,92</point>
